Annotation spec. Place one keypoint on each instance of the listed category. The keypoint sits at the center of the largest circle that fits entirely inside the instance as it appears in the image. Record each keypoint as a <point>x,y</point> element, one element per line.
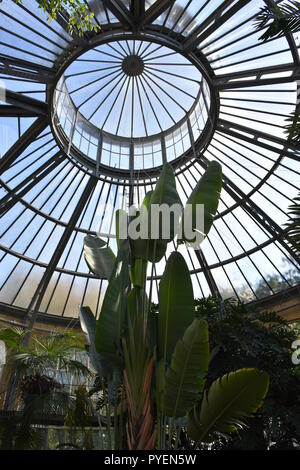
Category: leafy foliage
<point>227,403</point>
<point>292,128</point>
<point>112,317</point>
<point>40,393</point>
<point>48,351</point>
<point>88,326</point>
<point>12,337</point>
<point>293,227</point>
<point>280,19</point>
<point>176,305</point>
<point>185,378</point>
<point>284,18</point>
<point>241,337</point>
<point>98,256</point>
<point>206,192</point>
<point>80,19</point>
<point>164,358</point>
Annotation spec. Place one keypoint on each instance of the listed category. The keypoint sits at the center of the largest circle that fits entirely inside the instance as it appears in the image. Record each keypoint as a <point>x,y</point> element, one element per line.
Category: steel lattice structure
<point>90,121</point>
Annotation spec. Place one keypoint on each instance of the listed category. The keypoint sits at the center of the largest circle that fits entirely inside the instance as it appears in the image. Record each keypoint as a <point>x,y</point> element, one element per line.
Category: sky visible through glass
<point>32,226</point>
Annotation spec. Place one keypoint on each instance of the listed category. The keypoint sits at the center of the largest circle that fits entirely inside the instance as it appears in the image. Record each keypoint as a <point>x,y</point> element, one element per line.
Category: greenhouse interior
<point>150,225</point>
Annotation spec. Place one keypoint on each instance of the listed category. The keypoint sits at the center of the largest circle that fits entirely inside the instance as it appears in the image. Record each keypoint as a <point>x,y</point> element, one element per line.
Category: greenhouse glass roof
<point>87,123</point>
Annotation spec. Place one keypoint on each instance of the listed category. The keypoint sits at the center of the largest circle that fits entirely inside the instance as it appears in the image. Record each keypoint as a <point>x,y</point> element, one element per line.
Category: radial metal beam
<point>255,211</point>
<point>25,102</point>
<point>213,22</point>
<point>15,111</point>
<point>256,77</point>
<point>120,11</point>
<point>137,9</point>
<point>154,11</point>
<point>244,133</point>
<point>22,143</point>
<point>289,36</point>
<point>8,201</point>
<point>24,69</point>
<point>208,275</point>
<point>37,298</point>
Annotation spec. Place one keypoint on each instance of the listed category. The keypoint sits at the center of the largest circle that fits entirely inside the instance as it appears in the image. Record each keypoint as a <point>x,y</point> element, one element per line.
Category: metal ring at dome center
<point>130,105</point>
<point>133,65</point>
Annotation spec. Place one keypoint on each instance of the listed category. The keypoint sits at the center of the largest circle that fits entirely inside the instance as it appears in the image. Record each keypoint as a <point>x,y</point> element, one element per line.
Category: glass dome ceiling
<point>62,161</point>
<point>133,88</point>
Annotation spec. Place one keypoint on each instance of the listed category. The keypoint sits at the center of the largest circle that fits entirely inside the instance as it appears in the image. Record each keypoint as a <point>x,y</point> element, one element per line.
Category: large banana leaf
<point>185,379</point>
<point>88,326</point>
<point>165,190</point>
<point>164,194</point>
<point>110,325</point>
<point>207,192</point>
<point>229,401</point>
<point>139,246</point>
<point>176,305</point>
<point>98,256</point>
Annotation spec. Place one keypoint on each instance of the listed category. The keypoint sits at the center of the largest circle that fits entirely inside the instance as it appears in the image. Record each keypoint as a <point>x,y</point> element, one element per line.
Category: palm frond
<point>12,337</point>
<point>293,227</point>
<point>292,128</point>
<point>226,405</point>
<point>280,19</point>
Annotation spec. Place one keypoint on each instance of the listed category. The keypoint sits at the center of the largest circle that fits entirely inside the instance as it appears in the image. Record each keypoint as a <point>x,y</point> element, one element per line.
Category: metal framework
<point>51,191</point>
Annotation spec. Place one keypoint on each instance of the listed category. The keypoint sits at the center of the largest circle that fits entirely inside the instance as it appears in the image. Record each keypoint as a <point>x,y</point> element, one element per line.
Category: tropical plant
<point>284,18</point>
<point>292,128</point>
<point>293,227</point>
<point>162,360</point>
<point>241,336</point>
<point>39,392</point>
<point>280,19</point>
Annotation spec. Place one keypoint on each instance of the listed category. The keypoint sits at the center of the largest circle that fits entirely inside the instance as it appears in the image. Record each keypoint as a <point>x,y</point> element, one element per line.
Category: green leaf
<point>280,18</point>
<point>121,214</point>
<point>165,193</point>
<point>229,401</point>
<point>139,246</point>
<point>176,305</point>
<point>206,192</point>
<point>111,320</point>
<point>98,256</point>
<point>12,337</point>
<point>165,190</point>
<point>293,226</point>
<point>135,301</point>
<point>185,379</point>
<point>88,326</point>
<point>143,248</point>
